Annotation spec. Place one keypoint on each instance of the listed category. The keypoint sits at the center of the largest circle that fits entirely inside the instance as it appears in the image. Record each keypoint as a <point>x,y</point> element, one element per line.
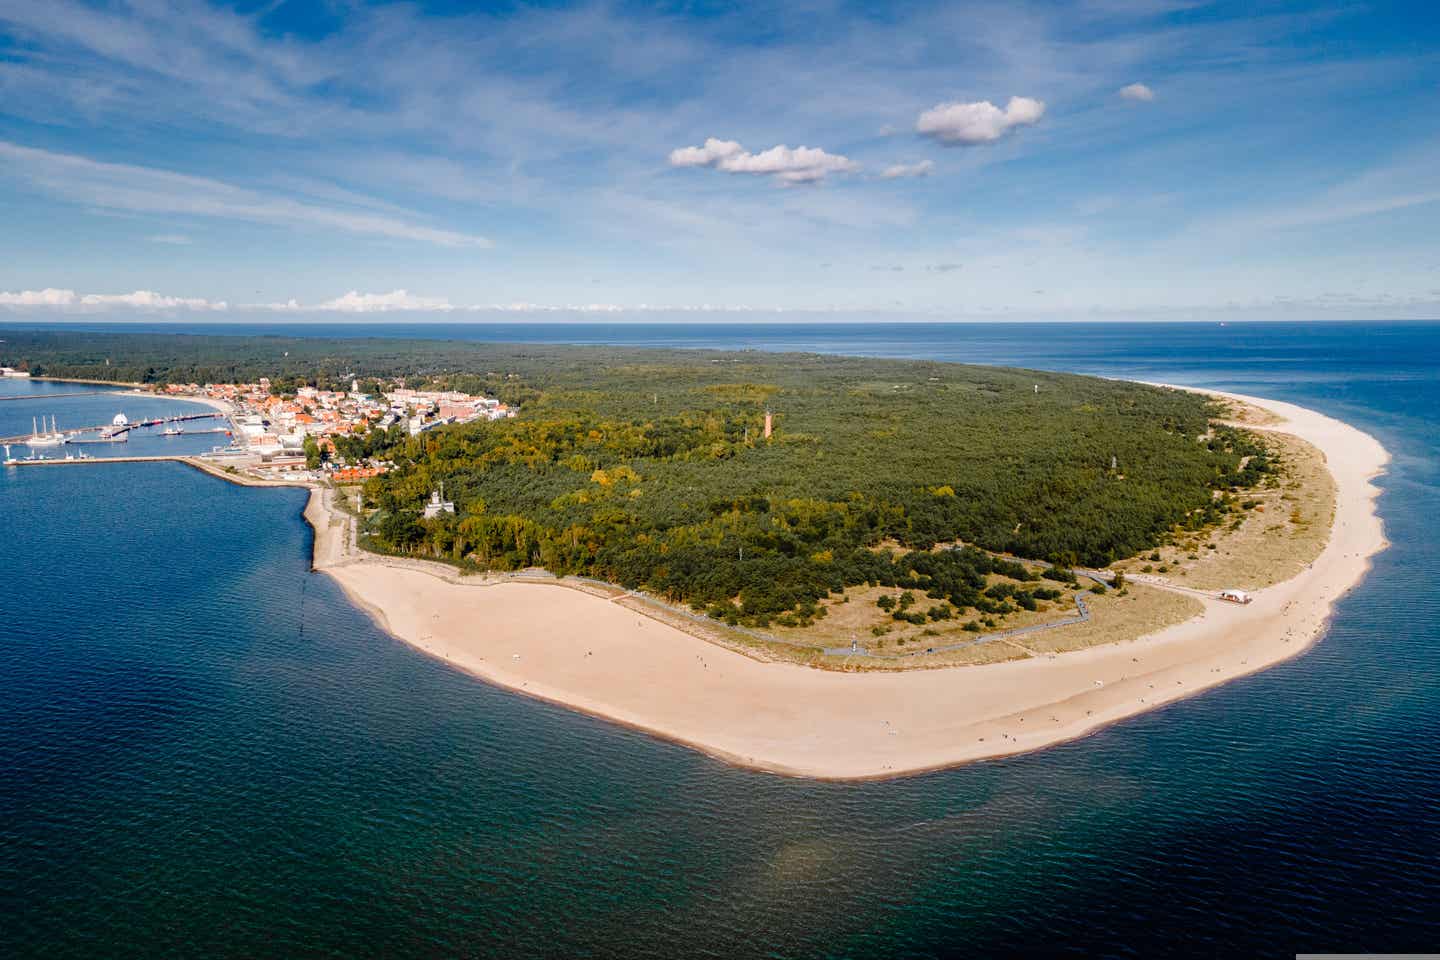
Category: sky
<point>1093,159</point>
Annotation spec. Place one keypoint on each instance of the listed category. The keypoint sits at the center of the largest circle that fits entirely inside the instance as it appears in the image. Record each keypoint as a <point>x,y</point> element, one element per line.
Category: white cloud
<point>898,171</point>
<point>1137,92</point>
<point>400,300</point>
<point>140,300</point>
<point>118,186</point>
<point>150,300</point>
<point>798,165</point>
<point>524,306</point>
<point>356,302</point>
<point>714,151</point>
<point>403,300</point>
<point>968,124</point>
<point>173,239</point>
<point>49,297</point>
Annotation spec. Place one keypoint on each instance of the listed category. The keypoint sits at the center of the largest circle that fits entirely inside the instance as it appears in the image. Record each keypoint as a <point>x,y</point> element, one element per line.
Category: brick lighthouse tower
<point>769,424</point>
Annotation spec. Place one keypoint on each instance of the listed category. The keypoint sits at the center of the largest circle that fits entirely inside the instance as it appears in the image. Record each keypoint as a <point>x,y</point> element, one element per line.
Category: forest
<point>650,468</point>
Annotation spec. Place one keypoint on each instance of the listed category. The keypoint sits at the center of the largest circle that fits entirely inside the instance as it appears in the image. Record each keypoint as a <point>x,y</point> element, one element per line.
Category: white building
<point>250,425</point>
<point>437,506</point>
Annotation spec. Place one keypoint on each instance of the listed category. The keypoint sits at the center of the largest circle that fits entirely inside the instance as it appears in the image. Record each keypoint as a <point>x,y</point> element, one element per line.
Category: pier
<point>219,466</point>
<point>122,437</point>
<point>72,393</point>
<point>119,430</point>
<point>113,433</point>
<point>176,458</point>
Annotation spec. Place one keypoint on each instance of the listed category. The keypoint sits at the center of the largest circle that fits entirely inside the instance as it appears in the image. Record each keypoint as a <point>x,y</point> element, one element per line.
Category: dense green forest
<point>650,468</point>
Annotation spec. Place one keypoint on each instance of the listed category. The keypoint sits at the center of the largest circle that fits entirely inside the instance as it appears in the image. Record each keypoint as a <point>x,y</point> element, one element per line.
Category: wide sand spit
<point>591,654</point>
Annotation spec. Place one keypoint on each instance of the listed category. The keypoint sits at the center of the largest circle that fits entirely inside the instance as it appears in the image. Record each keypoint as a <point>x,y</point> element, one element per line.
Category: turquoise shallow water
<point>205,751</point>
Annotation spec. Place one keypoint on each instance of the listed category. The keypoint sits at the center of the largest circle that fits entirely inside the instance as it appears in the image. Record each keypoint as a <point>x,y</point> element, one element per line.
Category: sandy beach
<point>591,654</point>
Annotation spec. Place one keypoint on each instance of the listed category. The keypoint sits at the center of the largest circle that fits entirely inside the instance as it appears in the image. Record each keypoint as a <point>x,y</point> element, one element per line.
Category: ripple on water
<point>197,763</point>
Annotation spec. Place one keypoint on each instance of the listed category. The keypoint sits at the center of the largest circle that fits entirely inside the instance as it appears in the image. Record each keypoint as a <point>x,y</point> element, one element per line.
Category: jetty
<point>71,393</point>
<point>114,432</point>
<point>57,462</point>
<point>217,464</point>
<point>121,429</point>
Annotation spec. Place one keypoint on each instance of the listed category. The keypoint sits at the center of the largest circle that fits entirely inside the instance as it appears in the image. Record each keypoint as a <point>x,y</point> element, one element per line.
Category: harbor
<point>117,431</point>
<point>82,426</point>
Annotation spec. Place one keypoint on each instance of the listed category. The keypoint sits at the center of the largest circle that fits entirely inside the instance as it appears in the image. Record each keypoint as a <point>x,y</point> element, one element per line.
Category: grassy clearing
<point>1117,617</point>
<point>1284,527</point>
<point>854,615</point>
<point>996,651</point>
<point>1248,414</point>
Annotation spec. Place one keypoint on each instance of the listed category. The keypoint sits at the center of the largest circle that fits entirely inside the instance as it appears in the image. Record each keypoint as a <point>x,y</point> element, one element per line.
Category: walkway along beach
<point>591,654</point>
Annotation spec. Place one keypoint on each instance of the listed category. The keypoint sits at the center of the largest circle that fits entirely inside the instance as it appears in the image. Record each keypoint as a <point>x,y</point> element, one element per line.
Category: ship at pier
<point>41,438</point>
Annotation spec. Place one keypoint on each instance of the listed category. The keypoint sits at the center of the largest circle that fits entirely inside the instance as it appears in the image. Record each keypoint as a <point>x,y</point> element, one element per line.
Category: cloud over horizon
<point>901,171</point>
<point>395,301</point>
<point>790,166</point>
<point>356,302</point>
<point>1137,92</point>
<point>980,122</point>
<point>379,146</point>
<point>139,299</point>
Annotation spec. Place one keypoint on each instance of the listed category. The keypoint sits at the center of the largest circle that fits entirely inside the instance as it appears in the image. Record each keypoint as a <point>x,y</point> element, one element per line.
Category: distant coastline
<point>599,656</point>
<point>118,384</point>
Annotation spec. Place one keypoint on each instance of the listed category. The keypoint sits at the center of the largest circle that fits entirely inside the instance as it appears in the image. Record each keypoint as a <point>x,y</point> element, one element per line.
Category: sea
<point>205,751</point>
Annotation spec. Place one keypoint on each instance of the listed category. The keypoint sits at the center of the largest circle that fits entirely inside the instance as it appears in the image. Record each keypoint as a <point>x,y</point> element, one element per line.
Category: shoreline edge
<point>793,720</point>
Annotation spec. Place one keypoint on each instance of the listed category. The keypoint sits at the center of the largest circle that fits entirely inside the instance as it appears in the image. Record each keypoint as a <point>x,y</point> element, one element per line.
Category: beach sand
<point>591,654</point>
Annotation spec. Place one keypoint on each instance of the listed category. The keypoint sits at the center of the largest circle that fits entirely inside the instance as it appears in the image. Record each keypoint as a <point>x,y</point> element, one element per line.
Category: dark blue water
<point>205,751</point>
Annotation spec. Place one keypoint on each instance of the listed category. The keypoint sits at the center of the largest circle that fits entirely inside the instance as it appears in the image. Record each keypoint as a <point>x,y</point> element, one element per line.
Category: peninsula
<point>594,654</point>
<point>821,566</point>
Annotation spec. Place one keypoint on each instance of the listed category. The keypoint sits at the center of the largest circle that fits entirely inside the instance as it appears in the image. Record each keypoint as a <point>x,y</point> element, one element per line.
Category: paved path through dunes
<point>587,653</point>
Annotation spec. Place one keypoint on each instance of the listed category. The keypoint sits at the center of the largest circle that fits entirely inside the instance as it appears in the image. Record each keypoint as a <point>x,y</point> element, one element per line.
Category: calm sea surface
<point>30,405</point>
<point>205,751</point>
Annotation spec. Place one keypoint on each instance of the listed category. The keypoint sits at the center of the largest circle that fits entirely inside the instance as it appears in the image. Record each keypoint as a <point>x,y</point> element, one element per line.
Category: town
<point>286,433</point>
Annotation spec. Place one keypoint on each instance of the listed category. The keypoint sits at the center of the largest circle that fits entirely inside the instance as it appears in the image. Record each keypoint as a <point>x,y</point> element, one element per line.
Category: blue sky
<point>1092,159</point>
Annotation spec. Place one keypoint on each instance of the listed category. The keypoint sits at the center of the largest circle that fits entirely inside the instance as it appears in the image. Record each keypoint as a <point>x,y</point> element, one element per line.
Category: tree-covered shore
<point>655,473</point>
<point>650,468</point>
